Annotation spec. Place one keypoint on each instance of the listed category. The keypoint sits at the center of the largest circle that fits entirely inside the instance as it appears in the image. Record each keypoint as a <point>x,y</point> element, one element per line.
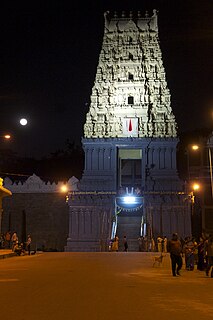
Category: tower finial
<point>105,18</point>
<point>146,14</point>
<point>155,13</point>
<point>154,23</point>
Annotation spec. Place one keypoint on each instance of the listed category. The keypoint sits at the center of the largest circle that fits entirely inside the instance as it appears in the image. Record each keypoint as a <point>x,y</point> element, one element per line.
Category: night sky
<point>49,52</point>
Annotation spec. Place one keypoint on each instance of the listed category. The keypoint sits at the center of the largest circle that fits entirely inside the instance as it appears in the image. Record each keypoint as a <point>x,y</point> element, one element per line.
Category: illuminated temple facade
<point>130,140</point>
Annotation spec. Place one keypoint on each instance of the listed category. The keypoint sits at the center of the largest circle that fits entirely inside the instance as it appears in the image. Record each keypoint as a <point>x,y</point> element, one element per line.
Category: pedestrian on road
<point>201,255</point>
<point>209,254</point>
<point>153,247</point>
<point>7,239</point>
<point>115,244</point>
<point>188,249</point>
<point>14,240</point>
<point>145,243</point>
<point>174,247</point>
<point>160,243</point>
<point>125,244</point>
<point>165,244</point>
<point>141,244</point>
<point>28,243</point>
<point>2,241</point>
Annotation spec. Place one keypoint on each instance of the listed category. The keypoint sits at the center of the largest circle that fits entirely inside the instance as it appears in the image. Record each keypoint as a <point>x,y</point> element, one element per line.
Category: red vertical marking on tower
<point>130,125</point>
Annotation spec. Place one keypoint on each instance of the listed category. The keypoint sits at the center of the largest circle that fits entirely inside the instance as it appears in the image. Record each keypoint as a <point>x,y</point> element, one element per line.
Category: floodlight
<point>129,200</point>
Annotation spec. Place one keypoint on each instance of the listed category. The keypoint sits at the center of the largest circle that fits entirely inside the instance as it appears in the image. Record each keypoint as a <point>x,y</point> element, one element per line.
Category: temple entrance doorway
<point>129,168</point>
<point>129,219</point>
<point>130,225</point>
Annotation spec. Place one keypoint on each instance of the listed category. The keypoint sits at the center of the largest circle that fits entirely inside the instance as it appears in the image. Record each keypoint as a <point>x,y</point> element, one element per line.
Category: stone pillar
<point>87,224</point>
<point>3,193</point>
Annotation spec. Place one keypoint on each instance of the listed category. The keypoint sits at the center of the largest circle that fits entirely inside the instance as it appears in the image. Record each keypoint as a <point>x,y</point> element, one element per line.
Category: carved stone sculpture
<point>130,75</point>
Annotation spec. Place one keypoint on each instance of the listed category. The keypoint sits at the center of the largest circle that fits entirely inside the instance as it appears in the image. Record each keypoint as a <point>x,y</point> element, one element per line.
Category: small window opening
<point>130,56</point>
<point>130,100</point>
<point>131,76</point>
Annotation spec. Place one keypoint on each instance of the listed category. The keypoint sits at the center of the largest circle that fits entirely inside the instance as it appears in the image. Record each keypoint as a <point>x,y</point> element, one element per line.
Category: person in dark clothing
<point>28,243</point>
<point>201,255</point>
<point>174,247</point>
<point>188,250</point>
<point>125,244</point>
<point>208,247</point>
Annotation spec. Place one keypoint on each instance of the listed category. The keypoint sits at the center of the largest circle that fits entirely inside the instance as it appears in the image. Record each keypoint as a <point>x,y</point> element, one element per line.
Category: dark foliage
<point>187,138</point>
<point>58,166</point>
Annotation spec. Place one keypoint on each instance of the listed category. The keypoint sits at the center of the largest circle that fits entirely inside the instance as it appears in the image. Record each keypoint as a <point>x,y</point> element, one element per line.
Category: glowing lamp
<point>64,188</point>
<point>196,186</point>
<point>7,136</point>
<point>129,200</point>
<point>195,147</point>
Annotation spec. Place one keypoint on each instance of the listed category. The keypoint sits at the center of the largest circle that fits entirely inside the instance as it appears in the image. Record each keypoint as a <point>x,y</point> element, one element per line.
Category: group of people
<point>152,245</point>
<point>114,244</point>
<point>11,241</point>
<point>200,253</point>
<point>145,245</point>
<point>195,253</point>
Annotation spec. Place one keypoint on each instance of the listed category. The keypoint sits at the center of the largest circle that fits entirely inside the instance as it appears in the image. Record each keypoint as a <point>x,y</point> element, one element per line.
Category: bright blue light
<point>129,200</point>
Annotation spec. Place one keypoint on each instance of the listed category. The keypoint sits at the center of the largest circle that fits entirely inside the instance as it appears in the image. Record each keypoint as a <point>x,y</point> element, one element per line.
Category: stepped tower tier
<point>130,96</point>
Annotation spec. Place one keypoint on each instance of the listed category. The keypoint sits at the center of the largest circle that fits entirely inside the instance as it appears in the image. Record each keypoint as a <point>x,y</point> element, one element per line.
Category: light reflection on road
<point>9,280</point>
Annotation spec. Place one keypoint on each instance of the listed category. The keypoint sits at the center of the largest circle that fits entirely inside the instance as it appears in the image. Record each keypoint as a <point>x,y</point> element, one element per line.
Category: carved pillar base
<point>89,221</point>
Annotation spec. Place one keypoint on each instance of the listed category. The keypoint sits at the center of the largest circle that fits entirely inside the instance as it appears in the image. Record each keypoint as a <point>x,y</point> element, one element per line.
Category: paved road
<point>100,286</point>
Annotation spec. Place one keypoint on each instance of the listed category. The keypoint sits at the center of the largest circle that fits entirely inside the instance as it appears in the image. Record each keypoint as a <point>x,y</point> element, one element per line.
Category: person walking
<point>153,247</point>
<point>7,239</point>
<point>189,254</point>
<point>208,247</point>
<point>2,241</point>
<point>174,247</point>
<point>140,244</point>
<point>165,244</point>
<point>145,241</point>
<point>160,243</point>
<point>28,243</point>
<point>125,244</point>
<point>14,239</point>
<point>201,255</point>
<point>115,244</point>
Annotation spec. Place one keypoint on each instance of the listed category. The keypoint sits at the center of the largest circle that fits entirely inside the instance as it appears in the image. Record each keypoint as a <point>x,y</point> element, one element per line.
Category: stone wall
<point>40,209</point>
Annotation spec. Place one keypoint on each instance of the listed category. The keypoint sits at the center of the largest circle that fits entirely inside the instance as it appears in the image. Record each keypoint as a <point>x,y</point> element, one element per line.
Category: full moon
<point>23,122</point>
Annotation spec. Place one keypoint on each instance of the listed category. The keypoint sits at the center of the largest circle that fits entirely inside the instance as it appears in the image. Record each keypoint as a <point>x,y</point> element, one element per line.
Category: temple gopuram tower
<point>130,139</point>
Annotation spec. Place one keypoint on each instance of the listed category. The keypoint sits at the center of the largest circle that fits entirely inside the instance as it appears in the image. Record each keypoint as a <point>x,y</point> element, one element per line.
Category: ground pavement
<point>6,253</point>
<point>101,286</point>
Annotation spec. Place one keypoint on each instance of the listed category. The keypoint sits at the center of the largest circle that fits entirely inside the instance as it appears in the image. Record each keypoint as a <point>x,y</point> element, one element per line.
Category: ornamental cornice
<point>35,184</point>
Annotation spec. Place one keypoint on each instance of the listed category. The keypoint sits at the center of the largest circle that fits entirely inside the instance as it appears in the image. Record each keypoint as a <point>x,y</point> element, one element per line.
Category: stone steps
<point>130,227</point>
